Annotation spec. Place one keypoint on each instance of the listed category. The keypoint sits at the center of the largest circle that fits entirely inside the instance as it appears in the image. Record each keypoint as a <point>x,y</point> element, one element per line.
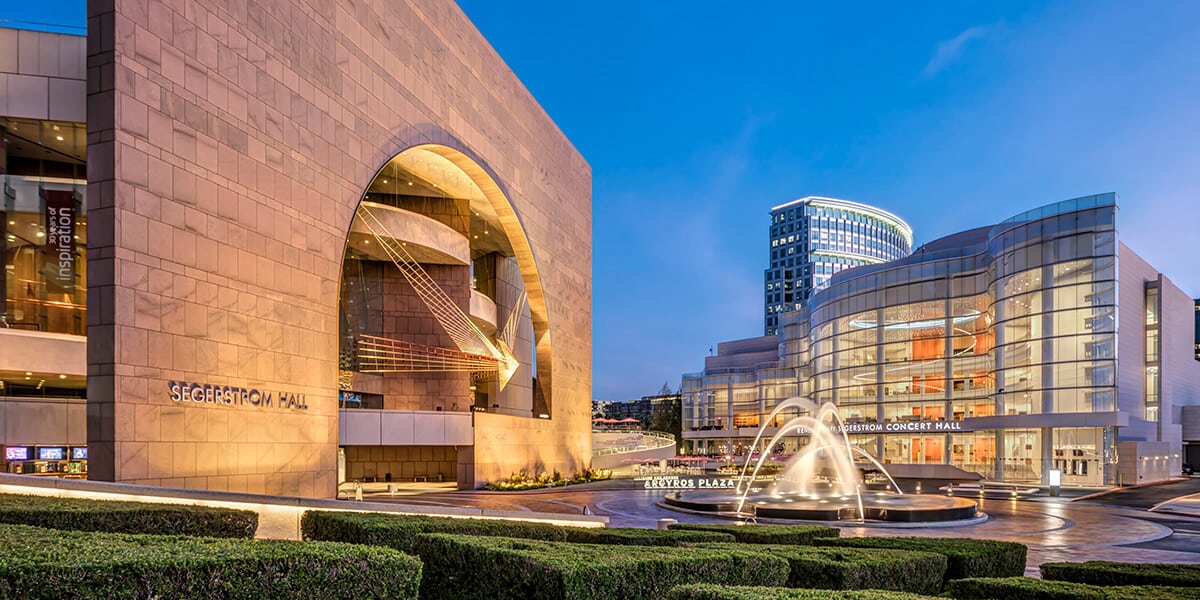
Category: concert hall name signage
<point>894,427</point>
<point>671,482</point>
<point>205,393</point>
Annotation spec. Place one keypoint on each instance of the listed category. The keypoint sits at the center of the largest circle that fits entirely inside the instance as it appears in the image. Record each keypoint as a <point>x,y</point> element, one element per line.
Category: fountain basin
<point>906,508</point>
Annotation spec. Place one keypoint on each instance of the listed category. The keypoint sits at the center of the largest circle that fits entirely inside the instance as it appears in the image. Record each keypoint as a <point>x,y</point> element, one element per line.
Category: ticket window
<point>18,459</point>
<point>55,461</point>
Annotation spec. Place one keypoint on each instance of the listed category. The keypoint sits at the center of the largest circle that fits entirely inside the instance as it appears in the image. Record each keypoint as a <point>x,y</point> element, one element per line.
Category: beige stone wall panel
<point>229,144</point>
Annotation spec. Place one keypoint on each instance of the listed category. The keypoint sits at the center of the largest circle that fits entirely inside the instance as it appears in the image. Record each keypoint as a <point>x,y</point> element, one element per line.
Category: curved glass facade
<point>1037,344</point>
<point>814,238</point>
<point>953,354</point>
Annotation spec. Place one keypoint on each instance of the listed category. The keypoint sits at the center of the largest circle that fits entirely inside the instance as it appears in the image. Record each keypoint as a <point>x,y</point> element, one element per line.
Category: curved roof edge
<point>857,206</point>
<point>971,241</point>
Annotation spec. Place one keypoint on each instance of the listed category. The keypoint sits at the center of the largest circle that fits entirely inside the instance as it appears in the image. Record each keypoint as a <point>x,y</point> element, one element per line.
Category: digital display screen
<point>52,453</point>
<point>78,453</point>
<point>16,453</point>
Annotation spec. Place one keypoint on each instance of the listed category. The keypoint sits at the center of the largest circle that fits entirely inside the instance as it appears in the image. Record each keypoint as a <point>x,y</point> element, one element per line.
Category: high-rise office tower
<point>812,238</point>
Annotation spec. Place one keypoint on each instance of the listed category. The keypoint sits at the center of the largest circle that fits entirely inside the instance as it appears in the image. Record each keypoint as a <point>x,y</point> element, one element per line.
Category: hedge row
<point>400,531</point>
<point>854,568</point>
<point>767,534</point>
<point>126,517</point>
<point>1027,588</point>
<point>726,592</point>
<point>965,557</point>
<point>642,537</point>
<point>1098,572</point>
<point>43,563</point>
<point>465,567</point>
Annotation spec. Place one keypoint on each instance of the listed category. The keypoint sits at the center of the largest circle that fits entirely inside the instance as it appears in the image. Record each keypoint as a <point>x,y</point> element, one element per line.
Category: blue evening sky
<point>697,117</point>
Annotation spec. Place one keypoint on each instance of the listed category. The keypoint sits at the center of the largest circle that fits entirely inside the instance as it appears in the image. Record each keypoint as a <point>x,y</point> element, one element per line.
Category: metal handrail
<point>666,439</point>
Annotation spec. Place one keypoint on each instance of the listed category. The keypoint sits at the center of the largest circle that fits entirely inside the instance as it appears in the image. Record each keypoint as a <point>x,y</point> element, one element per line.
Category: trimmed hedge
<point>400,531</point>
<point>630,536</point>
<point>1027,588</point>
<point>43,563</point>
<point>126,517</point>
<point>965,557</point>
<point>727,592</point>
<point>855,568</point>
<point>1099,572</point>
<point>767,534</point>
<point>463,567</point>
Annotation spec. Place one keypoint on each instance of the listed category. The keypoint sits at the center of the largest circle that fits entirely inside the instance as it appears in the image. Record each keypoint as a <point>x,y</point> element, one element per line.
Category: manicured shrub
<point>40,563</point>
<point>728,592</point>
<point>641,537</point>
<point>1099,572</point>
<point>463,567</point>
<point>965,557</point>
<point>767,534</point>
<point>855,568</point>
<point>399,531</point>
<point>1027,588</point>
<point>126,517</point>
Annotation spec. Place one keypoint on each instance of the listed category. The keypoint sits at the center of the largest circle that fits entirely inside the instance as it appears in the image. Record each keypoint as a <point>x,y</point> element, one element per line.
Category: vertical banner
<point>60,238</point>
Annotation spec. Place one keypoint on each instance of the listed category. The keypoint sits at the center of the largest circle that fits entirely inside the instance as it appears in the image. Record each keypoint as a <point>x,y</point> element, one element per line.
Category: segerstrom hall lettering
<point>181,391</point>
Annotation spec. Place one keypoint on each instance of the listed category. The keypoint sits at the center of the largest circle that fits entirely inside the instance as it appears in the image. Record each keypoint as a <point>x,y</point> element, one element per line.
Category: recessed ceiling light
<point>62,376</point>
<point>28,373</point>
<point>58,137</point>
<point>40,234</point>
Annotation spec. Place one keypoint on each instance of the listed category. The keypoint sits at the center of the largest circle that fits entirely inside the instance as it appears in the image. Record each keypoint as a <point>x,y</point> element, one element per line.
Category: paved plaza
<point>1055,529</point>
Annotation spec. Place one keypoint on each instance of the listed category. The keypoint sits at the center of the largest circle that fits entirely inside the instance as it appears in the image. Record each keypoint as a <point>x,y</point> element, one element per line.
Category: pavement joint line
<point>1129,487</point>
<point>1184,497</point>
<point>1176,513</point>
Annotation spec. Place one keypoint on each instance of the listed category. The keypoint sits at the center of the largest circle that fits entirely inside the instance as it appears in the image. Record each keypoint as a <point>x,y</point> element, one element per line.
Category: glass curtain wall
<point>1055,312</point>
<point>43,183</point>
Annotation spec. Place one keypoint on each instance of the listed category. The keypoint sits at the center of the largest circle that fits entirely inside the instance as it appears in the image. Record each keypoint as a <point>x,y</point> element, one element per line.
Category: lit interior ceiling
<point>936,323</point>
<point>420,173</point>
<point>46,140</point>
<point>58,380</point>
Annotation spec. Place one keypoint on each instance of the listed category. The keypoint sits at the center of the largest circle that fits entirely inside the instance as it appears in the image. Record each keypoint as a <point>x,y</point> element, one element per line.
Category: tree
<point>667,415</point>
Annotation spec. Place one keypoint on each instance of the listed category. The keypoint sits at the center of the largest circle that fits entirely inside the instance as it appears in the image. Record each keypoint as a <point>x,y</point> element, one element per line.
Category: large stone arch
<point>474,167</point>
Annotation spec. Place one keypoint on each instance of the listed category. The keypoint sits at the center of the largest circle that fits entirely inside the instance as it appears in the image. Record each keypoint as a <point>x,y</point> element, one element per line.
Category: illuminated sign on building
<point>205,393</point>
<point>895,427</point>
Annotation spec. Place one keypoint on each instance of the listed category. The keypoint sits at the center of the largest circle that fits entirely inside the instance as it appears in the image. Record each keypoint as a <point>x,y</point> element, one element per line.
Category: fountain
<point>820,482</point>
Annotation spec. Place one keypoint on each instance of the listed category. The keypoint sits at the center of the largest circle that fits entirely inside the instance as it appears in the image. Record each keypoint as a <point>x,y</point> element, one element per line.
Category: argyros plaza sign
<point>675,482</point>
<point>205,393</point>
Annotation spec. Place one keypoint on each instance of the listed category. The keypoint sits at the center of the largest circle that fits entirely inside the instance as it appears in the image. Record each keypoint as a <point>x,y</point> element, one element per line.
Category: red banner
<point>60,237</point>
